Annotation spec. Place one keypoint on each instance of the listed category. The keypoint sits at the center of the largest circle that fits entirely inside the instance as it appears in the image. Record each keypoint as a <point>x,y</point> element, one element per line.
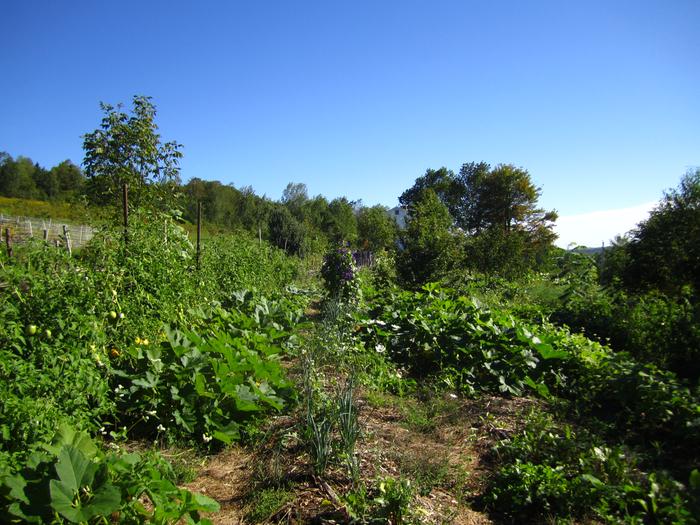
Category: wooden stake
<point>8,241</point>
<point>199,230</point>
<point>66,236</point>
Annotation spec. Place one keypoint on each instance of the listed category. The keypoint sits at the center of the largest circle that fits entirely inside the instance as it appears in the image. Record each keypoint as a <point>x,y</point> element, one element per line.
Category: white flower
<point>453,396</point>
<point>206,438</point>
<point>380,348</point>
<point>160,428</point>
<point>151,412</point>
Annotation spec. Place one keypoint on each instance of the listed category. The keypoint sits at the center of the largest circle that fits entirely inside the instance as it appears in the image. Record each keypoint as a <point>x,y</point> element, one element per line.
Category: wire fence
<point>23,228</point>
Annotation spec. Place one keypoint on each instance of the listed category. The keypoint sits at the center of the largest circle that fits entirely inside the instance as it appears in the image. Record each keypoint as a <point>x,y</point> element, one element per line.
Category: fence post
<point>46,235</point>
<point>125,205</point>
<point>66,236</point>
<point>199,231</point>
<point>31,232</point>
<point>8,241</point>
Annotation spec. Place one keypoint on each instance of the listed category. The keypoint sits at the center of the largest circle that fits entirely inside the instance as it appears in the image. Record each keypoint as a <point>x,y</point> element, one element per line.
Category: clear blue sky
<point>598,100</point>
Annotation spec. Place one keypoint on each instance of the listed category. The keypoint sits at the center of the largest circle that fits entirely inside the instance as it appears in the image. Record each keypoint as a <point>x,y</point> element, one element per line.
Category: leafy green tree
<point>71,181</point>
<point>442,182</point>
<point>664,250</point>
<point>497,209</point>
<point>503,197</point>
<point>428,243</point>
<point>341,223</point>
<point>294,197</point>
<point>286,231</point>
<point>17,178</point>
<point>128,149</point>
<point>376,228</point>
<point>481,197</point>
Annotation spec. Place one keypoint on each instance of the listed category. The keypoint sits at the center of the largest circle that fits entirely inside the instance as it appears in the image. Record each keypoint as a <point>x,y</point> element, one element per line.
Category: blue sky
<point>599,101</point>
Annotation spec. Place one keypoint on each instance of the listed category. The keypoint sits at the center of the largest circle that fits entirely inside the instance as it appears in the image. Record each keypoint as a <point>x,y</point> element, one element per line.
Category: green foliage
<point>496,209</point>
<point>388,502</point>
<point>82,340</point>
<point>73,481</point>
<point>651,326</point>
<point>339,275</point>
<point>205,386</point>
<point>469,347</point>
<point>553,471</point>
<point>428,243</point>
<point>231,263</point>
<point>377,229</point>
<point>22,178</point>
<point>341,224</point>
<point>126,149</point>
<point>663,251</point>
<point>266,503</point>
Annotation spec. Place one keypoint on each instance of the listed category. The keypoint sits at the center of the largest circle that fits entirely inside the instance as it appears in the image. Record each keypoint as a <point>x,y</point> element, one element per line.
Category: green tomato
<point>30,329</point>
<point>47,333</point>
<point>112,314</point>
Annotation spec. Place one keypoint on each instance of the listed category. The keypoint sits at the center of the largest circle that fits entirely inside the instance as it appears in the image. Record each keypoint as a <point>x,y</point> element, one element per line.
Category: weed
<point>266,503</point>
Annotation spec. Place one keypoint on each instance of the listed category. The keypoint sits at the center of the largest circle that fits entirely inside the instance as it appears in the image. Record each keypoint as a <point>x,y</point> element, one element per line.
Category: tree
<point>503,197</point>
<point>376,228</point>
<point>497,209</point>
<point>441,181</point>
<point>286,231</point>
<point>341,223</point>
<point>127,149</point>
<point>664,250</point>
<point>480,198</point>
<point>17,177</point>
<point>294,197</point>
<point>428,243</point>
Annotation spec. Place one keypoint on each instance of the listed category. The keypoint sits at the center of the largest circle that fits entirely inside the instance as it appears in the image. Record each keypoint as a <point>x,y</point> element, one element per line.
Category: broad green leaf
<point>547,352</point>
<point>74,469</point>
<point>105,500</point>
<point>62,498</point>
<point>66,502</point>
<point>592,480</point>
<point>68,436</point>
<point>206,503</point>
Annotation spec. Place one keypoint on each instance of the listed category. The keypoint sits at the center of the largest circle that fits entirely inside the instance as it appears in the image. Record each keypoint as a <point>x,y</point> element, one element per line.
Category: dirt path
<point>442,445</point>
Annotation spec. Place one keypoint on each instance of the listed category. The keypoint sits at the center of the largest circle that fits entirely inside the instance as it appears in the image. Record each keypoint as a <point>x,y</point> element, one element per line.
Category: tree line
<point>482,218</point>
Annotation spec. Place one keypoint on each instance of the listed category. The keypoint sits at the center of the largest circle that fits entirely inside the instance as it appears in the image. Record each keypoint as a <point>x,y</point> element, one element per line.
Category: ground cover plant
<point>634,456</point>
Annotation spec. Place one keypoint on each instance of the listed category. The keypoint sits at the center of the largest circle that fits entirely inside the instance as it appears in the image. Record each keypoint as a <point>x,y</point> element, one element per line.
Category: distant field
<point>57,211</point>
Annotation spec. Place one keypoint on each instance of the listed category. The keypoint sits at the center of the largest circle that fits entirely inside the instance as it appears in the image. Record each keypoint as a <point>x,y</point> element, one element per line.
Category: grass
<point>268,502</point>
<point>76,213</point>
